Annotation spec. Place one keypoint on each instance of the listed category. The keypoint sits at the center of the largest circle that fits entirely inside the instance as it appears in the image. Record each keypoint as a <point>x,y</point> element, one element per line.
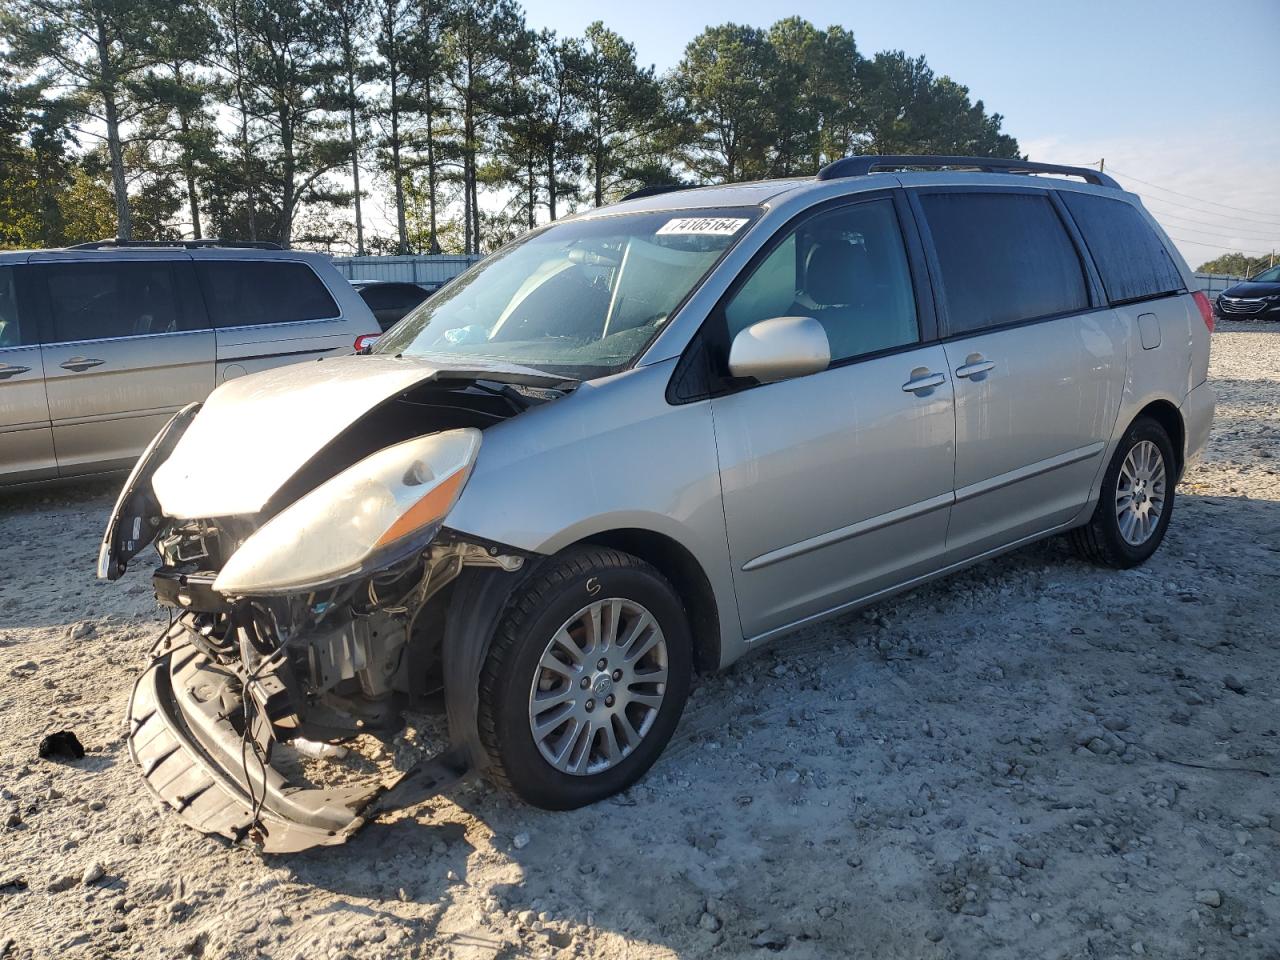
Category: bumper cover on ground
<point>193,761</point>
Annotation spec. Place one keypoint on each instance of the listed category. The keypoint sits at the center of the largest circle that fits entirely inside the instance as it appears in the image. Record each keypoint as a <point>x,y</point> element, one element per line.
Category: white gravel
<point>1033,759</point>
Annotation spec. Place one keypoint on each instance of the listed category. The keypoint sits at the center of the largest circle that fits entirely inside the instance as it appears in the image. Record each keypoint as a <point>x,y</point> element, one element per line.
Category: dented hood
<point>255,432</point>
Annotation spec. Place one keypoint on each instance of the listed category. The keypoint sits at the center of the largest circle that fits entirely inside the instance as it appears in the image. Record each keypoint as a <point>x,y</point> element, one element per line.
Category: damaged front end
<point>340,603</point>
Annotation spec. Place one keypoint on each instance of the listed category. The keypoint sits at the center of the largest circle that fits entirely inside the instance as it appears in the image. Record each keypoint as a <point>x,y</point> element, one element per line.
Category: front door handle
<point>975,369</point>
<point>80,363</point>
<point>8,371</point>
<point>923,380</point>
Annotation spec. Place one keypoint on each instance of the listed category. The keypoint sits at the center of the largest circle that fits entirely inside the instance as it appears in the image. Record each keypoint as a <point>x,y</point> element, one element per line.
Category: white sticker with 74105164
<point>707,226</point>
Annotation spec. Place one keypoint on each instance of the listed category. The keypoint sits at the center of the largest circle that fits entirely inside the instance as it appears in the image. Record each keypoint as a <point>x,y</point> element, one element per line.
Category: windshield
<point>1268,276</point>
<point>579,299</point>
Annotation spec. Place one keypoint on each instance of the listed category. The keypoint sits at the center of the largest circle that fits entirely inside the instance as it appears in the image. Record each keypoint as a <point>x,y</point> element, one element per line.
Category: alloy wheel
<point>1140,493</point>
<point>598,686</point>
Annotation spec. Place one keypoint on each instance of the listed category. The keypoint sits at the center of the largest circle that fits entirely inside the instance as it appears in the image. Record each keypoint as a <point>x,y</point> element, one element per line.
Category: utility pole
<point>1102,165</point>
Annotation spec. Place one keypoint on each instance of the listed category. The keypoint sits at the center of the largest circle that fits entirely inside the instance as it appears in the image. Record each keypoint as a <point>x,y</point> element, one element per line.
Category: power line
<point>1248,234</point>
<point>1188,196</point>
<point>1210,213</point>
<point>1212,203</point>
<point>1219,246</point>
<point>1221,236</point>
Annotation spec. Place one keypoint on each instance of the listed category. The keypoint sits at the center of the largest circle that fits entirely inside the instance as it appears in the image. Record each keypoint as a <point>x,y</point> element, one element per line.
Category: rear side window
<point>1131,259</point>
<point>242,293</point>
<point>1004,257</point>
<point>93,301</point>
<point>10,330</point>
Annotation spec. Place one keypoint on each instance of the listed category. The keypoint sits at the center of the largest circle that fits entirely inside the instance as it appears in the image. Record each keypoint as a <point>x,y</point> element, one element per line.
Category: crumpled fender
<point>130,528</point>
<point>480,598</point>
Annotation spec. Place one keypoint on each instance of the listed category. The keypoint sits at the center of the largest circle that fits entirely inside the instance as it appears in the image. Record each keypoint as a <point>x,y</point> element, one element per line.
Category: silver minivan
<point>641,443</point>
<point>100,344</point>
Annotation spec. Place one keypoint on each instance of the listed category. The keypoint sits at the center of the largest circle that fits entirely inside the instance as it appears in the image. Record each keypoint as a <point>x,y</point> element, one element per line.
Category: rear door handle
<point>975,368</point>
<point>921,382</point>
<point>80,363</point>
<point>8,371</point>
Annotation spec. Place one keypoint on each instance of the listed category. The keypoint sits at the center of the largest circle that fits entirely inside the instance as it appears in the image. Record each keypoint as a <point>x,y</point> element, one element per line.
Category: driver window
<point>847,269</point>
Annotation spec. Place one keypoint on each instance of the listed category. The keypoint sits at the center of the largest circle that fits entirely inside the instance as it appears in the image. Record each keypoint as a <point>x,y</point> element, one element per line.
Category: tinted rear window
<point>241,293</point>
<point>1131,260</point>
<point>1004,257</point>
<point>392,296</point>
<point>92,301</point>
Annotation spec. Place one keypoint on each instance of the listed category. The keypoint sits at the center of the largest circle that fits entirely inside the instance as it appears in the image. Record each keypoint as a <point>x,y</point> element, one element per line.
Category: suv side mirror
<point>780,349</point>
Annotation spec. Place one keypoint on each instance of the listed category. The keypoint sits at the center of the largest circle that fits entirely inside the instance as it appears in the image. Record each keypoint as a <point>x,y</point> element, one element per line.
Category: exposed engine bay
<point>356,604</point>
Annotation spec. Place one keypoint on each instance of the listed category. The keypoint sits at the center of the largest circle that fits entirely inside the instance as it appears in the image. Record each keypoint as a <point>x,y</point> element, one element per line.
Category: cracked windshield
<point>581,299</point>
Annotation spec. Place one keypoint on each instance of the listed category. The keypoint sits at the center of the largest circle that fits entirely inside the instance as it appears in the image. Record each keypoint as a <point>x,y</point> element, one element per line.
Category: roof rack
<point>861,166</point>
<point>655,189</point>
<point>185,244</point>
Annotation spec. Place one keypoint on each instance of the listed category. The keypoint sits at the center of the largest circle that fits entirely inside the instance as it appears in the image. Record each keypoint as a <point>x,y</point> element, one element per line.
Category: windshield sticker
<point>702,226</point>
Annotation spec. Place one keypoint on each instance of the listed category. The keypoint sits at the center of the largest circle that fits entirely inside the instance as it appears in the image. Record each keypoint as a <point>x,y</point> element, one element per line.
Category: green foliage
<point>783,101</point>
<point>266,119</point>
<point>723,81</point>
<point>910,110</point>
<point>624,114</point>
<point>36,166</point>
<point>98,50</point>
<point>1235,265</point>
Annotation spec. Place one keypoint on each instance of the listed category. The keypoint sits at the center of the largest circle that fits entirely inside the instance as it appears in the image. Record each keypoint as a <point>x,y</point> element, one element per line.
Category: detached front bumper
<point>196,762</point>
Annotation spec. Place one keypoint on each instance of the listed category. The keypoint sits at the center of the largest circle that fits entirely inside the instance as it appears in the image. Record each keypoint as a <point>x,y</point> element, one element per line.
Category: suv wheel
<point>1136,502</point>
<point>586,679</point>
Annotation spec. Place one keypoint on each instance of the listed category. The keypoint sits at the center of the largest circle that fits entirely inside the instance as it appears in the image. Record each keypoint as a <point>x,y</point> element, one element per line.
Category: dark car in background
<point>1257,298</point>
<point>391,299</point>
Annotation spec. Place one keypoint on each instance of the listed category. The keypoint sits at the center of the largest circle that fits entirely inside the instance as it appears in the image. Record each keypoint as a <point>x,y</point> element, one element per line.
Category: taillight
<point>366,340</point>
<point>1206,308</point>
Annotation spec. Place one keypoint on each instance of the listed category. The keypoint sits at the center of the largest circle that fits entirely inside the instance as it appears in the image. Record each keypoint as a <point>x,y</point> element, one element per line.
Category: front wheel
<point>1136,502</point>
<point>586,679</point>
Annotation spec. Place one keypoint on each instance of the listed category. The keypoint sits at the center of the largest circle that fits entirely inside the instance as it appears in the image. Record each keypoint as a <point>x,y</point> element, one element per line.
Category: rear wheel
<point>1136,503</point>
<point>586,679</point>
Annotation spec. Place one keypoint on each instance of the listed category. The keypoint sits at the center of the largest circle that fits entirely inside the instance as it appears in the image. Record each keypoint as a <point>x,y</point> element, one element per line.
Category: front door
<point>1038,364</point>
<point>26,439</point>
<point>838,484</point>
<point>123,352</point>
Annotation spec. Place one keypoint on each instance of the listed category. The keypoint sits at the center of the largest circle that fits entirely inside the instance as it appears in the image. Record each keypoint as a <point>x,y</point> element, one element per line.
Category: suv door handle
<point>921,382</point>
<point>80,363</point>
<point>975,368</point>
<point>8,371</point>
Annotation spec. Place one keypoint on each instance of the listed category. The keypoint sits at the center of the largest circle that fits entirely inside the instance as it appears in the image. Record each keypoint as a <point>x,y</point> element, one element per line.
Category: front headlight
<point>380,510</point>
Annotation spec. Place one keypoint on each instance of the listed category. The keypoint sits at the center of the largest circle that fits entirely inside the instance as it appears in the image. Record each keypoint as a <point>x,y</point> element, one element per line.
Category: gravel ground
<point>1033,759</point>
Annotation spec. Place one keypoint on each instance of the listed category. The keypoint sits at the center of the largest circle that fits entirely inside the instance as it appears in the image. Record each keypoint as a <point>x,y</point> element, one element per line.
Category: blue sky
<point>1185,96</point>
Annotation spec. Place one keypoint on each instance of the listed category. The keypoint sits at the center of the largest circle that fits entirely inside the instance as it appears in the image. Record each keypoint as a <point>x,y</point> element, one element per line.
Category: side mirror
<point>780,349</point>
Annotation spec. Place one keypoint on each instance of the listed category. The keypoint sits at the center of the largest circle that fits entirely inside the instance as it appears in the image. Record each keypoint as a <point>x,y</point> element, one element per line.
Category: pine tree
<point>622,107</point>
<point>98,49</point>
<point>479,35</point>
<point>349,20</point>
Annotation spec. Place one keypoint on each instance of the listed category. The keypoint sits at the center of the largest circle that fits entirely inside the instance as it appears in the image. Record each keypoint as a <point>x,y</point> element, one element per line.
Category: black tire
<point>1100,541</point>
<point>563,587</point>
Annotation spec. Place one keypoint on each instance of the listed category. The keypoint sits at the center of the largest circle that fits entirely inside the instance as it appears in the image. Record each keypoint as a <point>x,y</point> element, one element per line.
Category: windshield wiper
<point>522,397</point>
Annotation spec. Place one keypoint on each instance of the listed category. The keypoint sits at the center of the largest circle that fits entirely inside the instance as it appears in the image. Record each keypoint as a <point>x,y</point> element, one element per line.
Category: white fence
<point>426,270</point>
<point>1214,283</point>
